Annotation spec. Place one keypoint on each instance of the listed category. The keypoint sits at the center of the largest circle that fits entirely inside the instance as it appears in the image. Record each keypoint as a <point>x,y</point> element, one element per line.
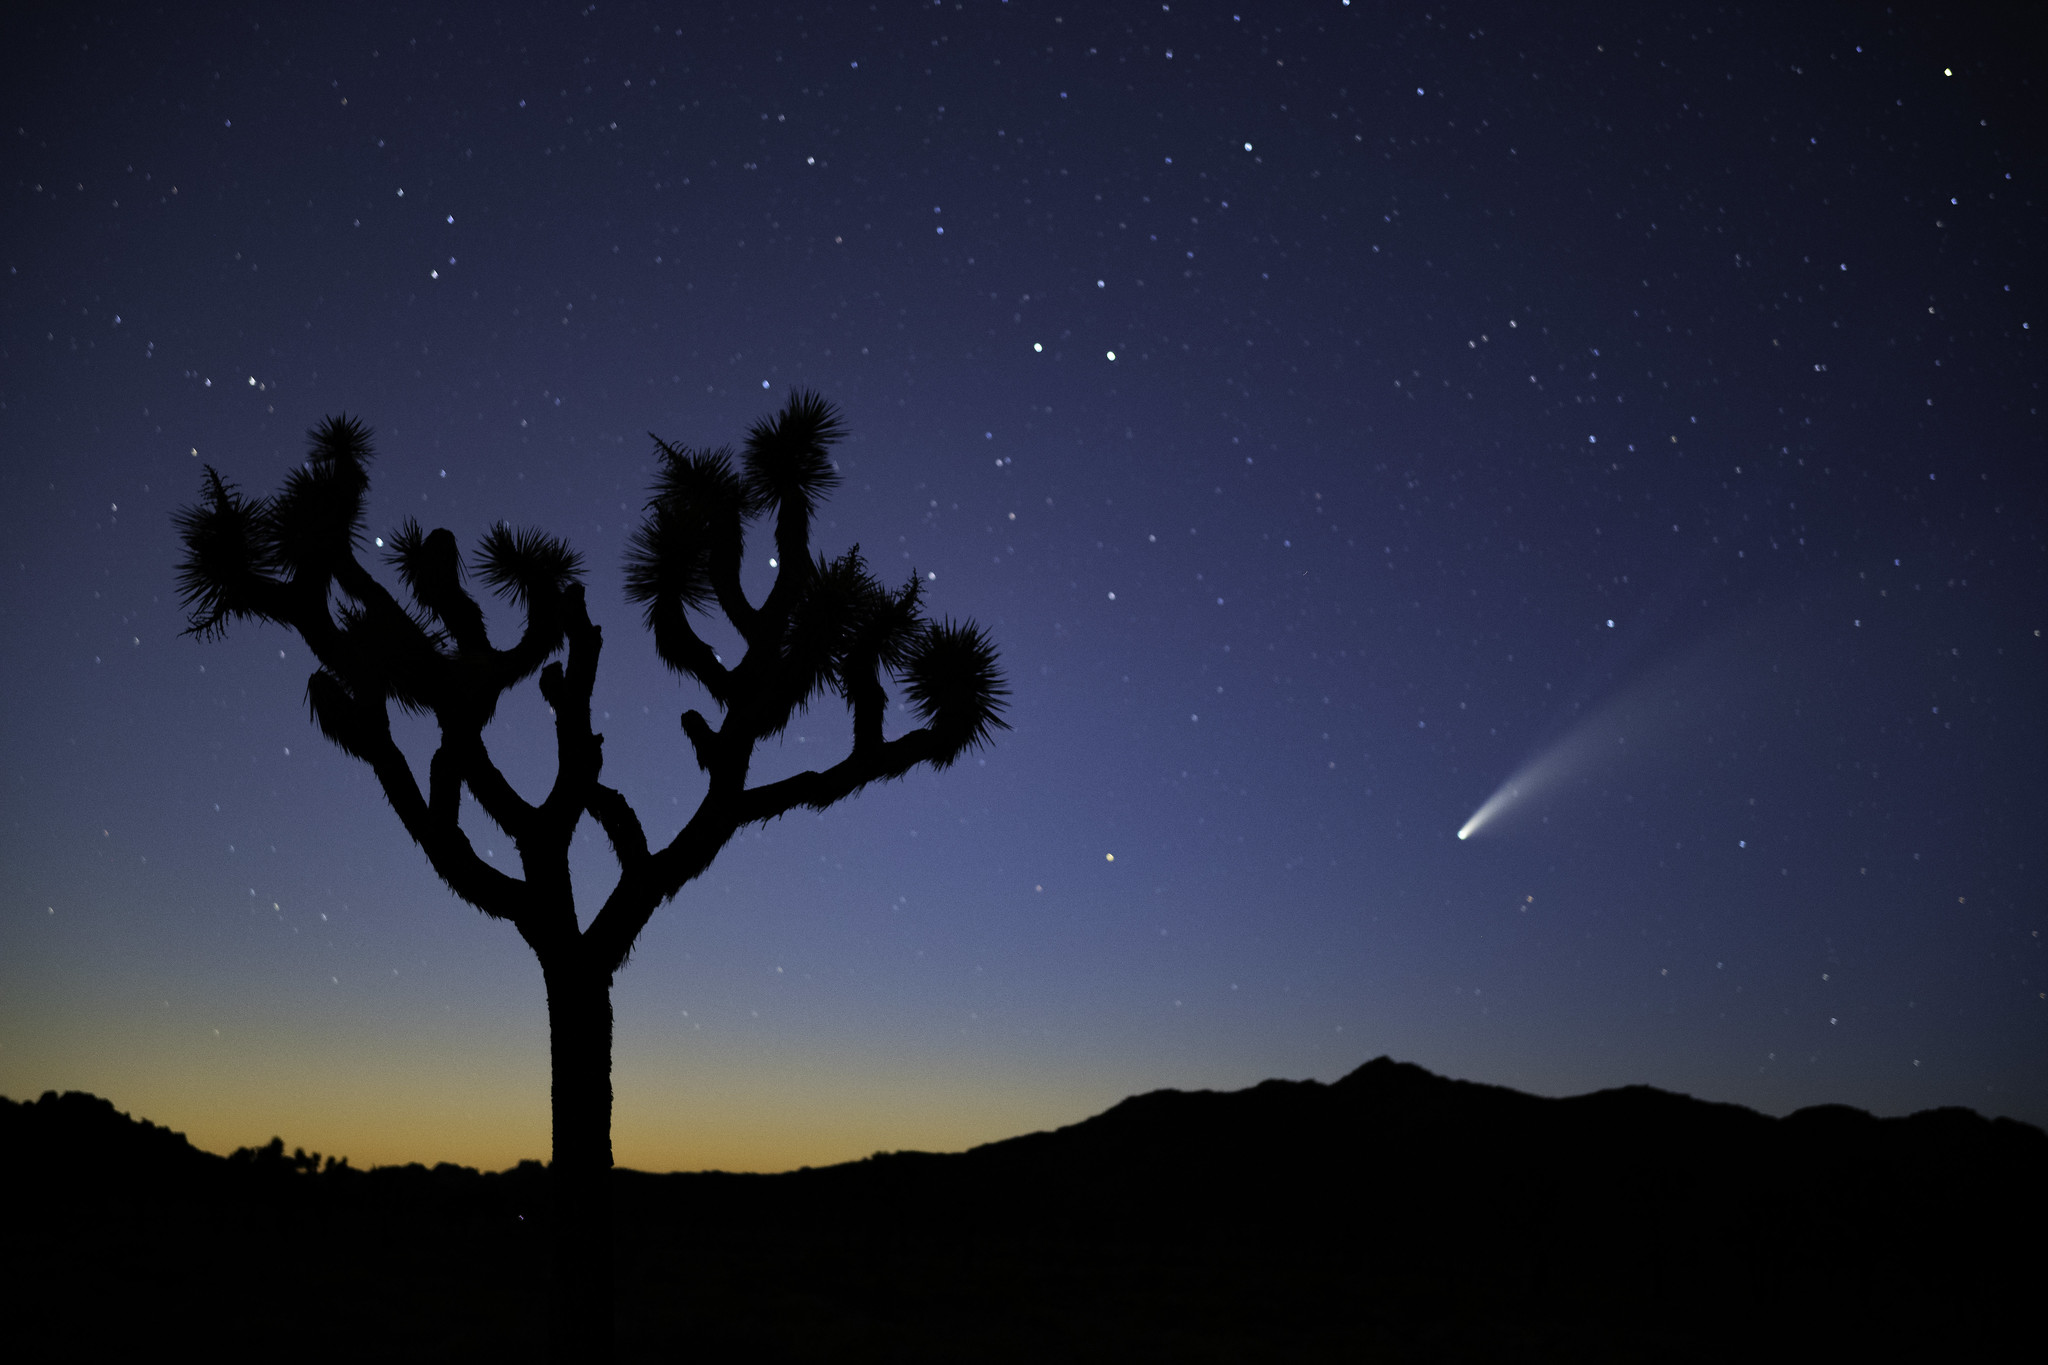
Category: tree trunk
<point>580,1049</point>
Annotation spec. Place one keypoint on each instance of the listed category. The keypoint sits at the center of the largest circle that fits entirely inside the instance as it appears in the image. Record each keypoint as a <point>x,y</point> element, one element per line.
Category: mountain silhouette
<point>1392,1212</point>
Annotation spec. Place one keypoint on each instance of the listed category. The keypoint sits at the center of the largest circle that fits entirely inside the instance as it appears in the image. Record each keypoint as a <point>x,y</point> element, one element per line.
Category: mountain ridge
<point>1382,1088</point>
<point>1392,1213</point>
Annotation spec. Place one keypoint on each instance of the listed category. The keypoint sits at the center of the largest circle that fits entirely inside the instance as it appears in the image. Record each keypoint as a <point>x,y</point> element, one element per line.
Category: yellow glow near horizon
<point>478,1097</point>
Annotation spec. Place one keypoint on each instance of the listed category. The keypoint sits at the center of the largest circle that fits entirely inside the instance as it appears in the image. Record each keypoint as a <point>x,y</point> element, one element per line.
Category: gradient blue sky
<point>1334,411</point>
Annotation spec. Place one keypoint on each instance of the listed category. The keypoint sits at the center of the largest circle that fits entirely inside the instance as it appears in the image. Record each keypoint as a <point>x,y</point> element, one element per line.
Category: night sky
<point>1338,413</point>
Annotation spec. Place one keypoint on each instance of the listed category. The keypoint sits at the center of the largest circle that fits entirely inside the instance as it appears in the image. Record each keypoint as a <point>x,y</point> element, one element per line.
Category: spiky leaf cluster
<point>788,461</point>
<point>317,519</point>
<point>695,523</point>
<point>954,685</point>
<point>523,565</point>
<point>228,552</point>
<point>827,624</point>
<point>429,566</point>
<point>244,557</point>
<point>844,628</point>
<point>283,558</point>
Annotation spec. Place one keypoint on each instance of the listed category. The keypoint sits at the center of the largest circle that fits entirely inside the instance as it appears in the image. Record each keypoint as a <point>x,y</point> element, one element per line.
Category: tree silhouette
<point>825,626</point>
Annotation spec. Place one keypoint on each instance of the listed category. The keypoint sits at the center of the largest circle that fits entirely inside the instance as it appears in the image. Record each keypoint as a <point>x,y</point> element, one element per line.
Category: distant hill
<point>78,1132</point>
<point>1393,1213</point>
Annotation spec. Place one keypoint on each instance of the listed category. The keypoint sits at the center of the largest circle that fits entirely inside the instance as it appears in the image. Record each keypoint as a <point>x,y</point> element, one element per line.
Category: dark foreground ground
<point>1394,1215</point>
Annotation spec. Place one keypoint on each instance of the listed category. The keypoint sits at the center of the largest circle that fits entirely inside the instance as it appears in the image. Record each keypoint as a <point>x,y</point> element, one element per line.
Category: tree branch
<point>445,845</point>
<point>541,637</point>
<point>579,754</point>
<point>444,785</point>
<point>617,926</point>
<point>817,790</point>
<point>356,581</point>
<point>732,599</point>
<point>615,816</point>
<point>867,701</point>
<point>511,812</point>
<point>681,649</point>
<point>702,741</point>
<point>724,813</point>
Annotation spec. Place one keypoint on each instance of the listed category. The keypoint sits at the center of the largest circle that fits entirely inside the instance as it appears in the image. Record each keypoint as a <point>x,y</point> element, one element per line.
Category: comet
<point>1745,672</point>
<point>1583,748</point>
<point>1626,724</point>
<point>1495,803</point>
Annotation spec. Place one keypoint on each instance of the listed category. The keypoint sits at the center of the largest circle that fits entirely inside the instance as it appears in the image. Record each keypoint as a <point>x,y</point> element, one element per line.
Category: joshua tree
<point>825,626</point>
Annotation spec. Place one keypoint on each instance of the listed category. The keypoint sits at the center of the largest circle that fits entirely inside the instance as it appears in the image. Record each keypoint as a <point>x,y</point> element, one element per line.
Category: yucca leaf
<point>954,684</point>
<point>227,552</point>
<point>521,564</point>
<point>787,461</point>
